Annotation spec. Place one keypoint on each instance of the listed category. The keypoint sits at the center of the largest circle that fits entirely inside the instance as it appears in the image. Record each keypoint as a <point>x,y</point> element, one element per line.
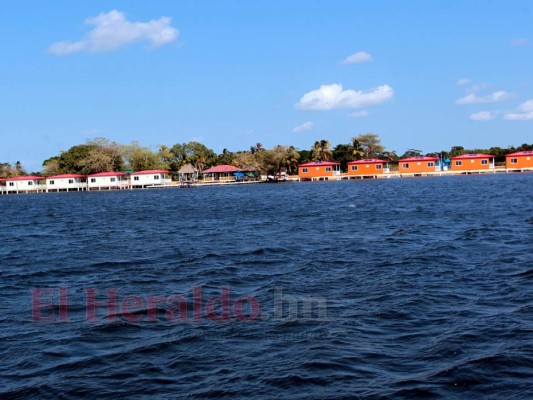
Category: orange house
<point>368,167</point>
<point>519,160</point>
<point>473,162</point>
<point>419,165</point>
<point>319,169</point>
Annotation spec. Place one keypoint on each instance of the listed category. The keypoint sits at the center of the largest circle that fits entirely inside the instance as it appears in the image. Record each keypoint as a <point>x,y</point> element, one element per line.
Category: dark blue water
<point>426,284</point>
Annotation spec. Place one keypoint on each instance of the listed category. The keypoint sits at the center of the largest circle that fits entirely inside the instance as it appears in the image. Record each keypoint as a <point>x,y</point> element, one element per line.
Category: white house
<point>24,184</point>
<point>66,183</point>
<point>108,180</point>
<point>150,178</point>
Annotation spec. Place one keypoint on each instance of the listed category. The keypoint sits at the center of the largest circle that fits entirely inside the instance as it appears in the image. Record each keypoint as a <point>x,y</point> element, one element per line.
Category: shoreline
<point>289,179</point>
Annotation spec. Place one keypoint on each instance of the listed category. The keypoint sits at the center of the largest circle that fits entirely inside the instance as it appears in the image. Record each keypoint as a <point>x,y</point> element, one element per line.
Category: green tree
<point>321,151</point>
<point>225,158</point>
<point>305,156</point>
<point>51,166</point>
<point>457,151</point>
<point>140,158</point>
<point>370,144</point>
<point>343,153</point>
<point>192,152</point>
<point>19,169</point>
<point>412,153</point>
<point>357,150</point>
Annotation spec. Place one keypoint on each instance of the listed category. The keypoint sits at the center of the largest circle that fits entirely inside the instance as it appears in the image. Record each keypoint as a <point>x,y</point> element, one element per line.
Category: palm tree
<point>358,152</point>
<point>292,159</point>
<point>390,155</point>
<point>321,151</point>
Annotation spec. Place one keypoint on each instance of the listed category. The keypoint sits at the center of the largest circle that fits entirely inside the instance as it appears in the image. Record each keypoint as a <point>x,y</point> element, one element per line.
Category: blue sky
<point>421,74</point>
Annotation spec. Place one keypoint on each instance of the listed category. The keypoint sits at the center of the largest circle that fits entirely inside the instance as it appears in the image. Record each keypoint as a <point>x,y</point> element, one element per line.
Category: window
<point>405,165</point>
<point>11,183</point>
<point>484,162</point>
<point>51,182</point>
<point>379,166</point>
<point>30,183</point>
<point>305,170</point>
<point>514,160</point>
<point>354,167</point>
<point>328,169</point>
<point>458,163</point>
<point>112,179</point>
<point>135,178</point>
<point>93,180</point>
<point>431,164</point>
<point>156,177</point>
<point>70,181</point>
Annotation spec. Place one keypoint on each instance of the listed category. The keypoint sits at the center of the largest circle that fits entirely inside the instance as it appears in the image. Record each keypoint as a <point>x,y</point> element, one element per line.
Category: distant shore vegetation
<point>102,155</point>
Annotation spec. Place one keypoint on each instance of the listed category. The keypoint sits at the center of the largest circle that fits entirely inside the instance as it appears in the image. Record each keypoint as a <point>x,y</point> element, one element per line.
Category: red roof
<point>425,158</point>
<point>222,168</point>
<point>150,171</point>
<point>66,176</point>
<point>26,178</point>
<point>108,174</point>
<point>368,161</point>
<point>472,156</point>
<point>319,163</point>
<point>520,154</point>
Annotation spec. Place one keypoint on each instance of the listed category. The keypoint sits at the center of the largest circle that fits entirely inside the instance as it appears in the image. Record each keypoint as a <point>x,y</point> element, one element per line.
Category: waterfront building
<point>419,165</point>
<point>319,170</point>
<point>24,184</point>
<point>473,162</point>
<point>222,173</point>
<point>368,167</point>
<point>108,180</point>
<point>519,160</point>
<point>150,178</point>
<point>66,183</point>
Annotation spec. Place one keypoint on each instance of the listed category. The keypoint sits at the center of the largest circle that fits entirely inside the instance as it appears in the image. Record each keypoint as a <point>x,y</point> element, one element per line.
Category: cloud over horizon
<point>306,126</point>
<point>112,31</point>
<point>524,112</point>
<point>483,116</point>
<point>359,57</point>
<point>332,97</point>
<point>496,97</point>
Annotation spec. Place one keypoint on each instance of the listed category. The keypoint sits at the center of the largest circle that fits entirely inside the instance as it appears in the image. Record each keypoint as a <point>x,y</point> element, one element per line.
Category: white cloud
<point>495,97</point>
<point>359,114</point>
<point>331,97</point>
<point>359,57</point>
<point>112,30</point>
<point>483,116</point>
<point>463,82</point>
<point>306,126</point>
<point>523,113</point>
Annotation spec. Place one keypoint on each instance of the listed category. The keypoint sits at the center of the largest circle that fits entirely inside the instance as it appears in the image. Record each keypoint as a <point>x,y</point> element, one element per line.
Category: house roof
<point>424,158</point>
<point>26,178</point>
<point>187,169</point>
<point>107,174</point>
<point>472,156</point>
<point>150,171</point>
<point>368,161</point>
<point>520,153</point>
<point>319,163</point>
<point>65,176</point>
<point>222,168</point>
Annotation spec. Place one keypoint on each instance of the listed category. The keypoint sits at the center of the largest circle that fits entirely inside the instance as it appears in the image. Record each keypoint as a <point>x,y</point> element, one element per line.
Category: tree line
<point>103,155</point>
